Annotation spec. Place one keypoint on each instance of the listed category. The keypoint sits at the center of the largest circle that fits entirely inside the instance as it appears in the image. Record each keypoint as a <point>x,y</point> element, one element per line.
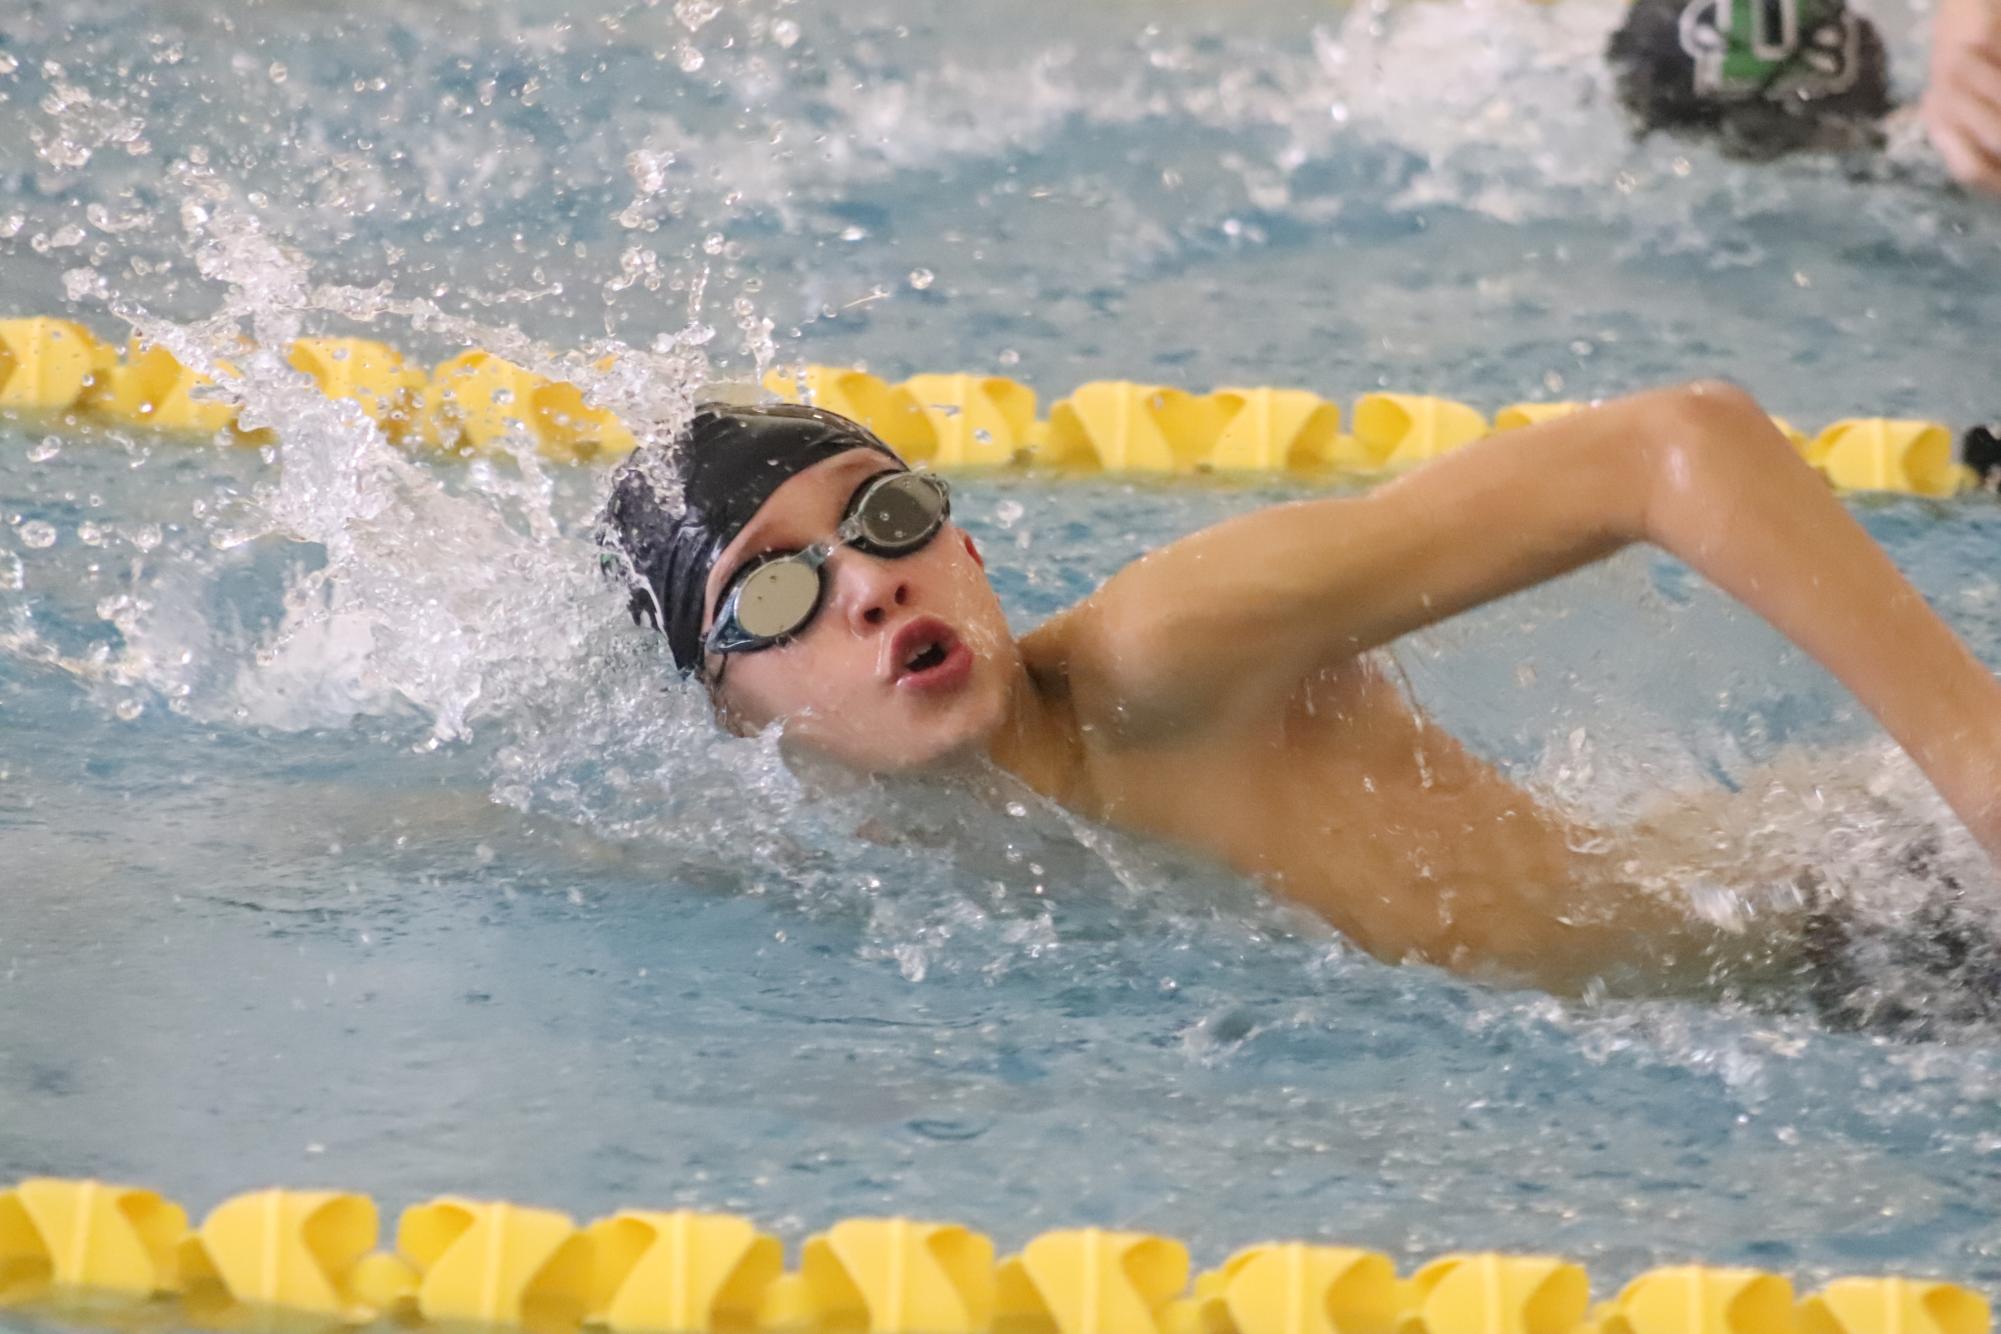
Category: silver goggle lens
<point>900,512</point>
<point>776,599</point>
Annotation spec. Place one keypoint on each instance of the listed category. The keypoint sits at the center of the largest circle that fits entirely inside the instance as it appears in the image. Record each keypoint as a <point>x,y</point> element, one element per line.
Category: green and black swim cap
<point>1765,76</point>
<point>672,516</point>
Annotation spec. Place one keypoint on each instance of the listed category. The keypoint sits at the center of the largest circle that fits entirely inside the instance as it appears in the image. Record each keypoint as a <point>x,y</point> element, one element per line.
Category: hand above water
<point>1962,102</point>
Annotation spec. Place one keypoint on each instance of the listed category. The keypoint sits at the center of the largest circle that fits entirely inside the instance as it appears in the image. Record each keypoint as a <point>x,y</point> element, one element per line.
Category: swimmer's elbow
<point>1705,442</point>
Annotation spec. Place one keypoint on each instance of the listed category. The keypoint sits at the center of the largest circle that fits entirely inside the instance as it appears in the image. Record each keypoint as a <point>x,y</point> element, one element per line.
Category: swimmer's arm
<point>1226,622</point>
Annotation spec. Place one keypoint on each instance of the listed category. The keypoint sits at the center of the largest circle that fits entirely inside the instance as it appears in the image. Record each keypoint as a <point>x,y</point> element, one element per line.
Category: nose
<point>868,590</point>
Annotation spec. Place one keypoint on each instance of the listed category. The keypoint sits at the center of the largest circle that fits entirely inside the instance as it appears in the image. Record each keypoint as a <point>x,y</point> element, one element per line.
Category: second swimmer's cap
<point>726,465</point>
<point>1765,76</point>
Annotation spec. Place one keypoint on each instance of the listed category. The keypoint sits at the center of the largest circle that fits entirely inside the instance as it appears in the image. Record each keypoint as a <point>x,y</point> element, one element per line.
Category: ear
<point>972,549</point>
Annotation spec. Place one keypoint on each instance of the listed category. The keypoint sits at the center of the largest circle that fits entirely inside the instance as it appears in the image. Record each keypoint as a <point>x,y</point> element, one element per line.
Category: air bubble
<point>921,279</point>
<point>695,13</point>
<point>128,710</point>
<point>46,450</point>
<point>37,535</point>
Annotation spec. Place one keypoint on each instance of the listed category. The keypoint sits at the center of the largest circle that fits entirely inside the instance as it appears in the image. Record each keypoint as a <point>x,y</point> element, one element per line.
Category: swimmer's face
<point>845,685</point>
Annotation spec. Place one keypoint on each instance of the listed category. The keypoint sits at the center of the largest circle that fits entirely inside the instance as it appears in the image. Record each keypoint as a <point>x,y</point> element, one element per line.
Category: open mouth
<point>927,655</point>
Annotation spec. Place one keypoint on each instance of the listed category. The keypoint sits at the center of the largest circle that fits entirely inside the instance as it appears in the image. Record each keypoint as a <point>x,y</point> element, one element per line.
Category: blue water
<point>349,835</point>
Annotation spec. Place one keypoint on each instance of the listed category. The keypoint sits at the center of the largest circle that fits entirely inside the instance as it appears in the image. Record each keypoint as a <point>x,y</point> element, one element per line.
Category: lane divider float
<point>70,1247</point>
<point>474,402</point>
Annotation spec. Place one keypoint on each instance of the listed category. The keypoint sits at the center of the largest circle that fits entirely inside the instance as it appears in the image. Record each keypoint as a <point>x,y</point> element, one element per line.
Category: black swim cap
<point>1981,451</point>
<point>672,516</point>
<point>1765,76</point>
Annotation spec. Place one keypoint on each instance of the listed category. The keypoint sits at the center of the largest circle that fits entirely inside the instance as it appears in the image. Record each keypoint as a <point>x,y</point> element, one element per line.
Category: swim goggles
<point>776,595</point>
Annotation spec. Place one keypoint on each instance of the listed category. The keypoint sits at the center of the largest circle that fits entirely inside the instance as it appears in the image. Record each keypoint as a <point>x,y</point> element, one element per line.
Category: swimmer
<point>1767,77</point>
<point>1222,692</point>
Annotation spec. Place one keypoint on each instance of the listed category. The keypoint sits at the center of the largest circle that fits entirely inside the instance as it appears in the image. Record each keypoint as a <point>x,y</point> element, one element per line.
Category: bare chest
<point>1350,803</point>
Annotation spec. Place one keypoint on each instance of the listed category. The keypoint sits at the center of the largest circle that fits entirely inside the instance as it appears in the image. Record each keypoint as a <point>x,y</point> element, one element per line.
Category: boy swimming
<point>1221,692</point>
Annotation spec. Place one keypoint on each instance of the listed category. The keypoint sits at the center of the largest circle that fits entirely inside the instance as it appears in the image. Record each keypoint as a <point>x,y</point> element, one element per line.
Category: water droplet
<point>277,72</point>
<point>694,13</point>
<point>1009,357</point>
<point>46,450</point>
<point>84,282</point>
<point>922,278</point>
<point>712,244</point>
<point>1017,810</point>
<point>853,233</point>
<point>90,534</point>
<point>145,537</point>
<point>691,60</point>
<point>786,33</point>
<point>37,535</point>
<point>128,710</point>
<point>1008,513</point>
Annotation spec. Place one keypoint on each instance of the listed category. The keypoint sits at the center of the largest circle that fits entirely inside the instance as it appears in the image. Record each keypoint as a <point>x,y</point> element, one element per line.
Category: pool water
<point>350,834</point>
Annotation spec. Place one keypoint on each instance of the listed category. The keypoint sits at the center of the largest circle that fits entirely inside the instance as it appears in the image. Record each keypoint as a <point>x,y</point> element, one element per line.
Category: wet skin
<point>1221,692</point>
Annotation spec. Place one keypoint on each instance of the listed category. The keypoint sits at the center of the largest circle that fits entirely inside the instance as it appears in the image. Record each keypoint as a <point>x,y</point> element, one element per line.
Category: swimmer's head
<point>1981,451</point>
<point>1766,77</point>
<point>897,657</point>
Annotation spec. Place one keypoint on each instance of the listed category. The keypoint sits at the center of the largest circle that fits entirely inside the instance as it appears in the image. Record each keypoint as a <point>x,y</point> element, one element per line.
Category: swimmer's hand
<point>1962,102</point>
<point>1219,630</point>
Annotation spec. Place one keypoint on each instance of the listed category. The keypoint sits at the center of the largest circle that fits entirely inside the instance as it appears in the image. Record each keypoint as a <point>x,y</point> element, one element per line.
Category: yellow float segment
<point>680,1272</point>
<point>47,364</point>
<point>372,374</point>
<point>1691,1299</point>
<point>891,411</point>
<point>1272,430</point>
<point>1894,1306</point>
<point>475,400</point>
<point>1090,1281</point>
<point>152,390</point>
<point>1498,1294</point>
<point>977,421</point>
<point>1883,454</point>
<point>1295,1288</point>
<point>1121,426</point>
<point>1394,431</point>
<point>899,1276</point>
<point>570,430</point>
<point>26,1266</point>
<point>91,1235</point>
<point>497,1264</point>
<point>291,1249</point>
